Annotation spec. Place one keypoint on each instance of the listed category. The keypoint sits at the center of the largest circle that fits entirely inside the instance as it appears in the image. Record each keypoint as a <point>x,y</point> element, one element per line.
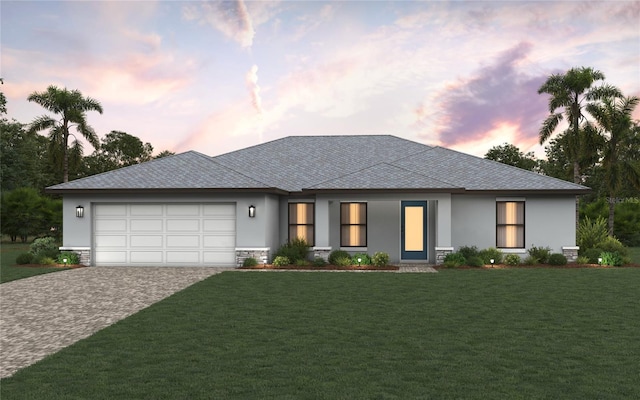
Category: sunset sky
<point>218,76</point>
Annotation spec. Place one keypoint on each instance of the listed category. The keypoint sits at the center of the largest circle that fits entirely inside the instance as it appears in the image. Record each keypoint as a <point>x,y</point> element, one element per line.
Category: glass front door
<point>414,230</point>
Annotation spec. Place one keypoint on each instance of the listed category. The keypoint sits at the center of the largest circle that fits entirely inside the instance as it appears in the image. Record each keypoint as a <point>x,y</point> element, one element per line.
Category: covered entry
<point>160,234</point>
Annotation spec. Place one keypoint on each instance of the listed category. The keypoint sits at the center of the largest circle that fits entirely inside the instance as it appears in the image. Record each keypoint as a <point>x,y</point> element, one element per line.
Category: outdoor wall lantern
<point>252,211</point>
<point>79,211</point>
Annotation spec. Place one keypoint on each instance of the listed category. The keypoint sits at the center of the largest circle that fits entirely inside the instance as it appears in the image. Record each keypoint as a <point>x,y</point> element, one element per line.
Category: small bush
<point>294,250</point>
<point>475,261</point>
<point>531,260</point>
<point>302,263</point>
<point>380,259</point>
<point>319,262</point>
<point>512,259</point>
<point>343,262</point>
<point>364,259</point>
<point>249,262</point>
<point>454,260</point>
<point>281,261</point>
<point>613,245</point>
<point>24,258</point>
<point>582,260</point>
<point>591,232</point>
<point>491,253</point>
<point>337,254</point>
<point>540,253</point>
<point>46,261</point>
<point>469,251</point>
<point>70,256</point>
<point>613,259</point>
<point>557,259</point>
<point>591,254</point>
<point>44,247</point>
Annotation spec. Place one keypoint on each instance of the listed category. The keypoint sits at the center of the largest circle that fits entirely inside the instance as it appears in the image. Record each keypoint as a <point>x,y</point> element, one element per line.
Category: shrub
<point>364,259</point>
<point>70,256</point>
<point>540,253</point>
<point>613,259</point>
<point>281,261</point>
<point>475,261</point>
<point>44,247</point>
<point>319,262</point>
<point>582,260</point>
<point>512,259</point>
<point>302,263</point>
<point>454,260</point>
<point>343,261</point>
<point>613,245</point>
<point>530,260</point>
<point>24,258</point>
<point>557,259</point>
<point>46,261</point>
<point>491,253</point>
<point>591,254</point>
<point>337,254</point>
<point>380,259</point>
<point>294,250</point>
<point>469,251</point>
<point>249,262</point>
<point>591,232</point>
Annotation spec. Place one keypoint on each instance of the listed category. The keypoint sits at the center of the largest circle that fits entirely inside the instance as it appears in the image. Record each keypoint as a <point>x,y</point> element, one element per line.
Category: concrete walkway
<point>45,313</point>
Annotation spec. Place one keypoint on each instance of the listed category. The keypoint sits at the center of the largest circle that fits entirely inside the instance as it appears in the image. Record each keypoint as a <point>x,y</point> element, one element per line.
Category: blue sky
<point>218,76</point>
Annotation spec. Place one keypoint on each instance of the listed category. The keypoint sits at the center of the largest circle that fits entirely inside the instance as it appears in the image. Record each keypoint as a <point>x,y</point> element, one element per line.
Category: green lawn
<point>521,333</point>
<point>9,271</point>
<point>635,254</point>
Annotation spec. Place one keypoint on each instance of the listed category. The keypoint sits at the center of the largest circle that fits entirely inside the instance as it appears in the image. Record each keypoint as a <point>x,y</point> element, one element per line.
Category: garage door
<point>164,234</point>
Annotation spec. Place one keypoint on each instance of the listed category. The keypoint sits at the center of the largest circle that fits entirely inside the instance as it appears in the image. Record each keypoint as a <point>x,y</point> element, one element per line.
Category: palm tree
<point>71,106</point>
<point>570,92</point>
<point>620,152</point>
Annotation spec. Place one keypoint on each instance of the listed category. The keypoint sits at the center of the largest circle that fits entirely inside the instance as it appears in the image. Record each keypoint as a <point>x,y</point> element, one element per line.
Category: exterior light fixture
<point>359,261</point>
<point>79,211</point>
<point>492,261</point>
<point>252,211</point>
<point>599,260</point>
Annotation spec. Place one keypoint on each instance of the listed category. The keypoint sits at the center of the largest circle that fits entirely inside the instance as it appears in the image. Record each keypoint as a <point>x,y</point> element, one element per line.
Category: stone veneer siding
<point>321,252</point>
<point>84,253</point>
<point>441,253</point>
<point>260,254</point>
<point>571,252</point>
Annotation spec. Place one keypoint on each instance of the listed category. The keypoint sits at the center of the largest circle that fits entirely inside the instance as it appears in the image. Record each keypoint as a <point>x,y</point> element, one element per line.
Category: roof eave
<point>94,191</point>
<point>576,192</point>
<point>382,190</point>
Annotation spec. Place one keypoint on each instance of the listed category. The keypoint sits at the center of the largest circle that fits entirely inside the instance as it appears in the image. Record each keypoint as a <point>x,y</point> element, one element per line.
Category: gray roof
<point>317,163</point>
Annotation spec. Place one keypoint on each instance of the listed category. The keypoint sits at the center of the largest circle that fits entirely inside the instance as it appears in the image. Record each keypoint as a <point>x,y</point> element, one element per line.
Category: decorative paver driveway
<point>45,313</point>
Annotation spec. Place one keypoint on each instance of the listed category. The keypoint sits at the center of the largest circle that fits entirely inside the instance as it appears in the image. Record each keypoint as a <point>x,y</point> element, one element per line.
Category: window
<point>301,221</point>
<point>353,224</point>
<point>510,224</point>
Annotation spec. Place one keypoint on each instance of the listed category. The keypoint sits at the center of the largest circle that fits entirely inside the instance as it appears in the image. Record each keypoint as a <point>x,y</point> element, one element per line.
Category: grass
<point>634,252</point>
<point>9,271</point>
<point>521,333</point>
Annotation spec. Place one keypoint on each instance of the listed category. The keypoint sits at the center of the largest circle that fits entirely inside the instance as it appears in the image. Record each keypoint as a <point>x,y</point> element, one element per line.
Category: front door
<point>414,230</point>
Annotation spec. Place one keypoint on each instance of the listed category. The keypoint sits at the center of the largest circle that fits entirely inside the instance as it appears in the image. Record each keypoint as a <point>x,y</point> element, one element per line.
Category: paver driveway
<point>45,313</point>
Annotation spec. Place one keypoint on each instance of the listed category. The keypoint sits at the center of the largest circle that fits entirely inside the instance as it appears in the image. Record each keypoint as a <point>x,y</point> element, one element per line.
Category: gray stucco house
<point>357,193</point>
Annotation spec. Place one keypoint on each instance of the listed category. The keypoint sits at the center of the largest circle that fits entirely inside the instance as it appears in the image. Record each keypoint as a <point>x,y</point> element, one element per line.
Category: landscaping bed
<point>325,267</point>
<point>522,266</point>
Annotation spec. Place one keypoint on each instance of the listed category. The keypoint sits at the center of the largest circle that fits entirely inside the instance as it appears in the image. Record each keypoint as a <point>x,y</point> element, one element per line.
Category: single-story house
<point>357,193</point>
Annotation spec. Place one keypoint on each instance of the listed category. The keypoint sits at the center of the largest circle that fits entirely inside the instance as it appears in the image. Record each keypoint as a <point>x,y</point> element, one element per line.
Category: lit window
<point>510,224</point>
<point>301,218</point>
<point>353,224</point>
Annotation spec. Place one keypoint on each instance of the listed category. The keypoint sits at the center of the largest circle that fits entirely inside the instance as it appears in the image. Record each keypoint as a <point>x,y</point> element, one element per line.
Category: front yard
<point>9,271</point>
<point>519,333</point>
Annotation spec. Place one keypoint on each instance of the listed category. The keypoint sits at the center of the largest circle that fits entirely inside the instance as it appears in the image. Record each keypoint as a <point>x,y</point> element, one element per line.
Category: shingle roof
<point>316,163</point>
<point>190,170</point>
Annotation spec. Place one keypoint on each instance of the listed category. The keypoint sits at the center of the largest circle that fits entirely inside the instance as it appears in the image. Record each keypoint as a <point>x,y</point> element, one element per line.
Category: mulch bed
<point>50,265</point>
<point>326,267</point>
<point>567,266</point>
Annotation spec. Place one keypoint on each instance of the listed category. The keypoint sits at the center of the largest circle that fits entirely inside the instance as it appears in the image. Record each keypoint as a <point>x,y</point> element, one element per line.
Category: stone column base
<point>321,252</point>
<point>571,252</point>
<point>441,253</point>
<point>261,254</point>
<point>84,253</point>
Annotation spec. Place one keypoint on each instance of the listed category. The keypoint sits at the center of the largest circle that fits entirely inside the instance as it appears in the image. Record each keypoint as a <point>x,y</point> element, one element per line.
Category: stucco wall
<point>549,220</point>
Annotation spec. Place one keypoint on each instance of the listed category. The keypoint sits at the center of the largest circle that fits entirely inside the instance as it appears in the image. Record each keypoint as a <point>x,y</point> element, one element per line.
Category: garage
<point>159,234</point>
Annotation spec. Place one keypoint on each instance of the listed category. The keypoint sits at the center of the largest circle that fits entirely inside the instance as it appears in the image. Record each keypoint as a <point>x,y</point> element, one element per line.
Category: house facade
<point>356,193</point>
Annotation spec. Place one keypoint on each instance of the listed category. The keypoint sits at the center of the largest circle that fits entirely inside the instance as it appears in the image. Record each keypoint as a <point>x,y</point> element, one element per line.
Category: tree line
<point>32,161</point>
<point>600,148</point>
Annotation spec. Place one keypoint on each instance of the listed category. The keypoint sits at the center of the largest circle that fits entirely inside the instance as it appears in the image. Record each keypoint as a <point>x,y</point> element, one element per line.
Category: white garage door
<point>164,234</point>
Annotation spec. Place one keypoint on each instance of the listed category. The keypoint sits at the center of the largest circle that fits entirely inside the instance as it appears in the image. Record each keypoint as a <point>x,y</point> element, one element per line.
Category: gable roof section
<point>385,176</point>
<point>479,174</point>
<point>190,170</point>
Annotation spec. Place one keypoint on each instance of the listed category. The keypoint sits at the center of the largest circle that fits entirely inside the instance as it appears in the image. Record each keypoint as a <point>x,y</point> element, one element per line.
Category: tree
<point>621,150</point>
<point>117,150</point>
<point>71,107</point>
<point>511,155</point>
<point>164,153</point>
<point>3,100</point>
<point>24,212</point>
